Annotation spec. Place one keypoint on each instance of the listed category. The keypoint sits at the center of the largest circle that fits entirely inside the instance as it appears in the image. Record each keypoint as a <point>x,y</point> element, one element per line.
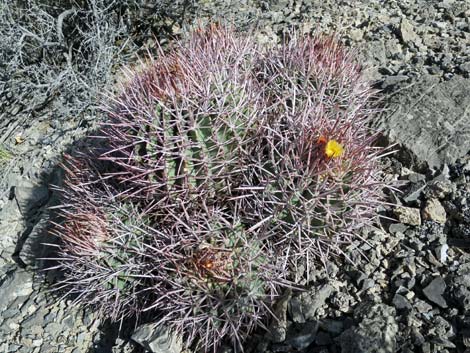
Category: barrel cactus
<point>223,165</point>
<point>314,154</point>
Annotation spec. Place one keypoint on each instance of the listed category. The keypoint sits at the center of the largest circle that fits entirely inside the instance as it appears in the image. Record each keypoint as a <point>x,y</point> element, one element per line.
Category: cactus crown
<point>227,165</point>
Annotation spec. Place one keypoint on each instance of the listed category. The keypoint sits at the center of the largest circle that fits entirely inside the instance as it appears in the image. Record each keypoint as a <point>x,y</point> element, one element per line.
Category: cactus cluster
<point>223,166</point>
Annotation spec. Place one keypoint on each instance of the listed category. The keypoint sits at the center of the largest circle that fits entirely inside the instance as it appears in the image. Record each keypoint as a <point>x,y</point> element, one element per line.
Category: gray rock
<point>356,34</point>
<point>442,253</point>
<point>157,339</point>
<point>305,337</point>
<point>33,248</point>
<point>421,306</point>
<point>465,68</point>
<point>407,32</point>
<point>408,215</point>
<point>30,195</point>
<point>430,121</point>
<point>395,228</point>
<point>16,284</point>
<point>434,211</point>
<point>9,313</point>
<point>13,347</point>
<point>435,290</point>
<point>417,178</point>
<point>35,319</point>
<point>462,296</point>
<point>401,303</point>
<point>278,329</point>
<point>393,80</point>
<point>54,329</point>
<point>443,342</point>
<point>440,188</point>
<point>442,327</point>
<point>342,301</point>
<point>122,346</point>
<point>303,307</point>
<point>376,52</point>
<point>414,194</point>
<point>11,227</point>
<point>335,327</point>
<point>416,336</point>
<point>375,333</point>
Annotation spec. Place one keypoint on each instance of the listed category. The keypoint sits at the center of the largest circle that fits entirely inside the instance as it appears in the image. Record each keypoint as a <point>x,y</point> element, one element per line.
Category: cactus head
<point>99,244</point>
<point>218,282</point>
<point>314,156</point>
<point>178,130</point>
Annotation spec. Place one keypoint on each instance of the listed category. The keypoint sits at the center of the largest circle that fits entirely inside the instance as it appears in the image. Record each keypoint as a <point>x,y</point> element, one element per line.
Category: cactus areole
<point>223,166</point>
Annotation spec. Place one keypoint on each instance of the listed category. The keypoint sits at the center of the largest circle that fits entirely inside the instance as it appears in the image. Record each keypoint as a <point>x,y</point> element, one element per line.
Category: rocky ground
<point>409,289</point>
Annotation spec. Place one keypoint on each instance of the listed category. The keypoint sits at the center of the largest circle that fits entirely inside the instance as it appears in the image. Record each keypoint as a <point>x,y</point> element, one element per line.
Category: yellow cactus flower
<point>333,149</point>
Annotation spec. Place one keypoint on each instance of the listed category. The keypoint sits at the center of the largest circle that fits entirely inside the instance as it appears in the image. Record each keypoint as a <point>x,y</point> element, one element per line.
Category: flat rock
<point>334,327</point>
<point>375,333</point>
<point>434,211</point>
<point>15,284</point>
<point>407,32</point>
<point>430,120</point>
<point>305,337</point>
<point>33,248</point>
<point>408,215</point>
<point>303,307</point>
<point>30,195</point>
<point>401,303</point>
<point>421,306</point>
<point>434,291</point>
<point>157,339</point>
